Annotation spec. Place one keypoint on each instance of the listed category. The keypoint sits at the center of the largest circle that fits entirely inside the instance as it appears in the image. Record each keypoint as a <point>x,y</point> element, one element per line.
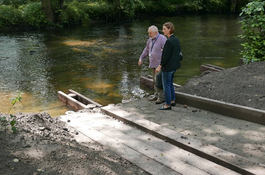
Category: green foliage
<point>213,6</point>
<point>9,17</point>
<point>17,3</point>
<point>12,123</point>
<point>16,14</point>
<point>217,5</point>
<point>253,24</point>
<point>176,1</point>
<point>128,7</point>
<point>4,121</point>
<point>82,12</point>
<point>75,13</point>
<point>194,6</point>
<point>33,15</point>
<point>101,10</point>
<point>157,8</point>
<point>16,99</point>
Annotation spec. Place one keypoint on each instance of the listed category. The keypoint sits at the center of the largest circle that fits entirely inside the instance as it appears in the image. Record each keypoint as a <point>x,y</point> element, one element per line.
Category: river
<point>100,60</point>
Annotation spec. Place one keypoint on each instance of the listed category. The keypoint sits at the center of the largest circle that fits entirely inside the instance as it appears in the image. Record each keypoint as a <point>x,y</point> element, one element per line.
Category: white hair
<point>153,28</point>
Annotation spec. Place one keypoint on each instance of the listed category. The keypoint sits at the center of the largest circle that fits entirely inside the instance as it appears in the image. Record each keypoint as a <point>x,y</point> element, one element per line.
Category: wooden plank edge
<point>208,68</point>
<point>83,99</point>
<point>71,102</point>
<point>149,82</point>
<point>216,67</point>
<point>219,107</point>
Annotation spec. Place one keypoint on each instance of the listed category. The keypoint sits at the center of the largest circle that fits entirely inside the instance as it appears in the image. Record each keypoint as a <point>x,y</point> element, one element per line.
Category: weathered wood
<point>71,102</point>
<point>216,67</point>
<point>72,95</point>
<point>148,81</point>
<point>84,99</point>
<point>208,68</point>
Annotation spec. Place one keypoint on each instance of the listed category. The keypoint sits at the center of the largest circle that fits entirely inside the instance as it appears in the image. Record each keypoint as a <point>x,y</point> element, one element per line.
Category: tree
<point>253,24</point>
<point>51,9</point>
<point>124,9</point>
<point>236,5</point>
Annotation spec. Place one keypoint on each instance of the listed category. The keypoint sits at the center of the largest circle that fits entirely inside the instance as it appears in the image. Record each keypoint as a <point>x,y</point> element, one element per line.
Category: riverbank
<point>44,145</point>
<point>242,85</point>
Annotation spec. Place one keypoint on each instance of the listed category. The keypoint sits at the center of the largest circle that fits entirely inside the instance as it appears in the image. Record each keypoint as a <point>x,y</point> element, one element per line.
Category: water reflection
<point>100,61</point>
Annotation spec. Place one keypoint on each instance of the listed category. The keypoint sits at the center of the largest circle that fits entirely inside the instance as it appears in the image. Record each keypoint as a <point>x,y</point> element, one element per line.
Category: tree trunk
<point>50,9</point>
<point>47,9</point>
<point>235,6</point>
<point>117,5</point>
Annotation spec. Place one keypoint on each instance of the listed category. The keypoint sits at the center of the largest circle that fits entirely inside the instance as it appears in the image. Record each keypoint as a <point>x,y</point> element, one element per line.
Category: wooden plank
<point>219,107</point>
<point>216,67</point>
<point>71,102</point>
<point>149,82</point>
<point>81,98</point>
<point>208,68</point>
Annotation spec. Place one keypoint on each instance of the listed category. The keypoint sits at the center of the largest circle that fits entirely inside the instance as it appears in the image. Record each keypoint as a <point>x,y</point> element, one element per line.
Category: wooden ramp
<point>152,147</point>
<point>153,155</point>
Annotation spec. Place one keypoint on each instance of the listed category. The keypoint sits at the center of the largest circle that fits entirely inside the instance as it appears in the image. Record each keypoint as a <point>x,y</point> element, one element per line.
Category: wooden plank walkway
<point>152,147</point>
<point>146,151</point>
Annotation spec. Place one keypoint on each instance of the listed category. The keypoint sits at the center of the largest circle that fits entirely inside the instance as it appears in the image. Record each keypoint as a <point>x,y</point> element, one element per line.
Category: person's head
<point>168,29</point>
<point>152,31</point>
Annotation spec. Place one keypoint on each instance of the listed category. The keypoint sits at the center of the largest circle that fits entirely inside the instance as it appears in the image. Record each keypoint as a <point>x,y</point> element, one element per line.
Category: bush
<point>207,6</point>
<point>33,15</point>
<point>9,17</point>
<point>194,6</point>
<point>100,10</point>
<point>156,8</point>
<point>75,13</point>
<point>253,24</point>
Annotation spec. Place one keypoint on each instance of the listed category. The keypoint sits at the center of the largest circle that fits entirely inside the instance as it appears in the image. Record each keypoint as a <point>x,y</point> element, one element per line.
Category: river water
<point>100,60</point>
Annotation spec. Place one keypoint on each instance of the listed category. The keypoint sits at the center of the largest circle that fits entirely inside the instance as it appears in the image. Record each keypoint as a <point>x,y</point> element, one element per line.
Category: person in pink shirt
<point>153,49</point>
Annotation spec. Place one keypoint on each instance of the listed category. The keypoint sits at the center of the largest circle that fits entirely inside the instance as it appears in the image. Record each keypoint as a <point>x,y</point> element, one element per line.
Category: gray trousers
<point>159,93</point>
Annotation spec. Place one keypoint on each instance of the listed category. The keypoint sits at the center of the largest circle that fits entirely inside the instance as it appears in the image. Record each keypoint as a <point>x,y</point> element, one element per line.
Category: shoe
<point>173,104</point>
<point>153,99</point>
<point>158,101</point>
<point>163,108</point>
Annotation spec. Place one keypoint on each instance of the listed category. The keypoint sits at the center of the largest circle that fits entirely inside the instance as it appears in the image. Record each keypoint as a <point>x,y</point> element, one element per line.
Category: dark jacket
<point>170,56</point>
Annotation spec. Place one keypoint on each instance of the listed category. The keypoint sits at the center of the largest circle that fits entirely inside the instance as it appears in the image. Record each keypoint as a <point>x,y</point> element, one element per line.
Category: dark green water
<point>100,60</point>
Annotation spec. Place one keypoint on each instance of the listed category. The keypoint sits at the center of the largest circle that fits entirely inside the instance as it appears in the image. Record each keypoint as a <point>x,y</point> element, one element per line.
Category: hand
<point>140,62</point>
<point>158,68</point>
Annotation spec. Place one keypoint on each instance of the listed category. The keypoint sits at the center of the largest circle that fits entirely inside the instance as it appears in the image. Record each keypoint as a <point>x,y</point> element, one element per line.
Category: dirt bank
<point>242,85</point>
<point>45,145</point>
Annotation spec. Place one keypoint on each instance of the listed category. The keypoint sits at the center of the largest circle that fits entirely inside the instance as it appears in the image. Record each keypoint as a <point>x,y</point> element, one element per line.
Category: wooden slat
<point>149,82</point>
<point>208,68</point>
<point>216,67</point>
<point>71,102</point>
<point>84,99</point>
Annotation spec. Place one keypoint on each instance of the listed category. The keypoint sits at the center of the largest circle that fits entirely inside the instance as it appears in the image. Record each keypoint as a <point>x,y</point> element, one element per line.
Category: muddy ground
<point>44,145</point>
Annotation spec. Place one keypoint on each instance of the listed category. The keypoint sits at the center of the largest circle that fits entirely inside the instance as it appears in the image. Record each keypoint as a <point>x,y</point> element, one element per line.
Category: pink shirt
<point>153,49</point>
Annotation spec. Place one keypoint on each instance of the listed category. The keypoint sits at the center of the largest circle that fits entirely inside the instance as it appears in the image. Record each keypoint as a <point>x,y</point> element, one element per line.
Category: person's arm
<point>145,53</point>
